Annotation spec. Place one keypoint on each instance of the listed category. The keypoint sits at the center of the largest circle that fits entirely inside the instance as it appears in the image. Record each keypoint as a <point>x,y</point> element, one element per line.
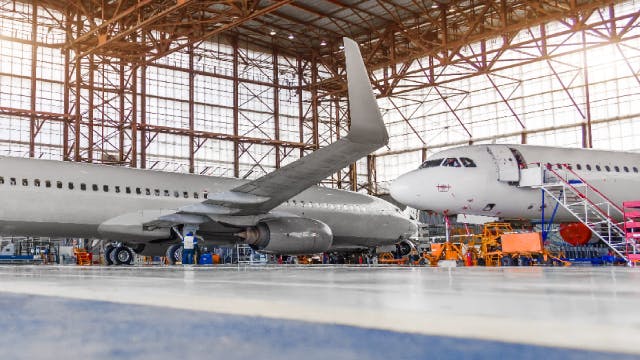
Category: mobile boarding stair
<point>592,208</point>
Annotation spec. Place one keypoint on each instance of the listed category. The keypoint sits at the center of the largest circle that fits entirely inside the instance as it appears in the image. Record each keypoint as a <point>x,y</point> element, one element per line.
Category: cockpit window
<point>431,163</point>
<point>466,162</point>
<point>453,162</point>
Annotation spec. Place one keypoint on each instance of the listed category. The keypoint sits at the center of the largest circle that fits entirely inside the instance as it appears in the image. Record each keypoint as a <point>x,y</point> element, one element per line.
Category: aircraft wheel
<point>174,254</point>
<point>112,256</point>
<point>123,255</point>
<point>107,254</point>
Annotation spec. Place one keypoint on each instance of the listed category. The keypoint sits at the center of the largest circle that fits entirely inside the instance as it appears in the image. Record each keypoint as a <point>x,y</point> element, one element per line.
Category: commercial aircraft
<point>148,212</point>
<point>487,180</point>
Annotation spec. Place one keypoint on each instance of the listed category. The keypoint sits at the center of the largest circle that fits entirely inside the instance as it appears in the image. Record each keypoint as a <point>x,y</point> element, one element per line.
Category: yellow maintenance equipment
<point>83,257</point>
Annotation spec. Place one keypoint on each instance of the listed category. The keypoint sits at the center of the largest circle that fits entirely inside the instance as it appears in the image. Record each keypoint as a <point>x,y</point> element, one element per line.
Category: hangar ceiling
<point>392,32</point>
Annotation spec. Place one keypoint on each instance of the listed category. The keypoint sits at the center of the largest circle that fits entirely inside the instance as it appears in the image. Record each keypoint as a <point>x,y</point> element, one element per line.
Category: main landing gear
<point>118,255</point>
<point>174,252</point>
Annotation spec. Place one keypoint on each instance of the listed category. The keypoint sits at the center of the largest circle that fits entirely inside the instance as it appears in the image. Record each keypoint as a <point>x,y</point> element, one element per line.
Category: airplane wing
<point>367,134</point>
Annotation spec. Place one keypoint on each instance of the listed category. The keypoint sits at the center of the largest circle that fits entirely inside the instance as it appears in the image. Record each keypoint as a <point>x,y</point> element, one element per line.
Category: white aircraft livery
<point>486,179</point>
<point>148,212</point>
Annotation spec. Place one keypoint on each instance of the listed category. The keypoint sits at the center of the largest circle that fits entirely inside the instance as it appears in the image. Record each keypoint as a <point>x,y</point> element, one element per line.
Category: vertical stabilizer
<point>366,122</point>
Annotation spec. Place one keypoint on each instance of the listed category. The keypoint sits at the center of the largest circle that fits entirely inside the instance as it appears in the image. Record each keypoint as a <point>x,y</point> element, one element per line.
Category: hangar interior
<point>239,88</point>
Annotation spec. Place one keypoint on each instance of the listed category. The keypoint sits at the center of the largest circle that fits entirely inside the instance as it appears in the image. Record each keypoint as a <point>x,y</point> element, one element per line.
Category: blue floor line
<point>39,327</point>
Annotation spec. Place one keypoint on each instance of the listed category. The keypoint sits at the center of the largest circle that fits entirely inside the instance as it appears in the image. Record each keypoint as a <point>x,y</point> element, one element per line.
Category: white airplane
<point>486,180</point>
<point>149,212</point>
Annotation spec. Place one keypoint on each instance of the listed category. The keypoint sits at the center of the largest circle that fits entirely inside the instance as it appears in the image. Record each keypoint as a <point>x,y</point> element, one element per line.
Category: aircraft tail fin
<point>366,121</point>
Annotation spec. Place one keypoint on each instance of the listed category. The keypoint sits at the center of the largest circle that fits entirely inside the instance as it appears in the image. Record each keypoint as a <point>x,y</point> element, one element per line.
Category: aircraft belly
<point>348,227</point>
<point>47,229</point>
<point>63,213</point>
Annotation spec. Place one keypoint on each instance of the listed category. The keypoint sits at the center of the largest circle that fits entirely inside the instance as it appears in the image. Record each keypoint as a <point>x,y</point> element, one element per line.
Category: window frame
<point>470,164</point>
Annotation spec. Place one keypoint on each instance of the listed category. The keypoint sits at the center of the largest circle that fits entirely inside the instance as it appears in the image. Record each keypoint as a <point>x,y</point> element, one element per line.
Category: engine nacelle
<point>290,235</point>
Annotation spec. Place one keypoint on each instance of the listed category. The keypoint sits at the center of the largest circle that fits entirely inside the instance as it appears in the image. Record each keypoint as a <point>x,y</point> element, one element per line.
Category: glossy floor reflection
<point>348,309</point>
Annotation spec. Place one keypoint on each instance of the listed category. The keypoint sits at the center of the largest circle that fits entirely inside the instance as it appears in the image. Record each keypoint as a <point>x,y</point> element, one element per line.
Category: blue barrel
<point>206,259</point>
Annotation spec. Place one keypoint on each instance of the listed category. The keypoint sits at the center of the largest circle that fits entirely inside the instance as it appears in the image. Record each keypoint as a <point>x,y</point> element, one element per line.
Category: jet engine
<point>290,235</point>
<point>405,247</point>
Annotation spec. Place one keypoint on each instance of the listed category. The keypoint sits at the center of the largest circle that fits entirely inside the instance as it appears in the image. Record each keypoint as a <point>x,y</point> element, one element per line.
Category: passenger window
<point>138,191</point>
<point>431,163</point>
<point>105,188</point>
<point>559,166</point>
<point>12,181</point>
<point>616,168</point>
<point>25,182</point>
<point>1,180</point>
<point>156,192</point>
<point>176,194</point>
<point>598,168</point>
<point>147,191</point>
<point>70,186</point>
<point>185,195</point>
<point>205,195</point>
<point>626,169</point>
<point>578,166</point>
<point>166,193</point>
<point>83,186</point>
<point>635,169</point>
<point>466,162</point>
<point>117,188</point>
<point>451,162</point>
<point>195,195</point>
<point>47,183</point>
<point>36,182</point>
<point>588,167</point>
<point>59,184</point>
<point>127,190</point>
<point>94,187</point>
<point>607,168</point>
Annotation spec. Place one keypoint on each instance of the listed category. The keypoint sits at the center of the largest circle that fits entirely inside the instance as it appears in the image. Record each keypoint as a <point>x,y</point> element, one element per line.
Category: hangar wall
<point>195,110</point>
<point>569,83</point>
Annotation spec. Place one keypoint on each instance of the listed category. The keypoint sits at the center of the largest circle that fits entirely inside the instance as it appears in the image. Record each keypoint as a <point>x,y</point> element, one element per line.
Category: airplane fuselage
<point>489,185</point>
<point>63,199</point>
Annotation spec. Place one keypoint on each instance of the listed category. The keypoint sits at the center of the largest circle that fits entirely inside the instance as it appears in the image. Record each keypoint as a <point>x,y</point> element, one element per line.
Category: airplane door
<point>508,169</point>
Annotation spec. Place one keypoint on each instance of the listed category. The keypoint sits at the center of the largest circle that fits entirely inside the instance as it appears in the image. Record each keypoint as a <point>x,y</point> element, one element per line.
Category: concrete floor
<point>320,312</point>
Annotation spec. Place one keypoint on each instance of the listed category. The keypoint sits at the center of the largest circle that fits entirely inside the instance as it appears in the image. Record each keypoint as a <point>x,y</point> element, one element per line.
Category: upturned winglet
<point>366,121</point>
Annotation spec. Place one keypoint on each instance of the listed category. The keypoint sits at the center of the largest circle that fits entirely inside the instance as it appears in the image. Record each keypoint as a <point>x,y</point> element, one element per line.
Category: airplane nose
<point>400,189</point>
